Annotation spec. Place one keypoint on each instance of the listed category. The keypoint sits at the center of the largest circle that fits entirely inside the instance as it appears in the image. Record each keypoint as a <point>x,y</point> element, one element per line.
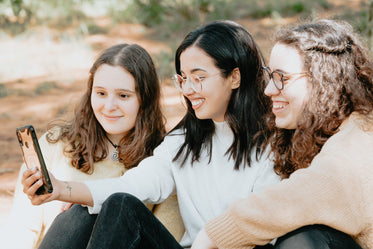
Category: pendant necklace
<point>115,155</point>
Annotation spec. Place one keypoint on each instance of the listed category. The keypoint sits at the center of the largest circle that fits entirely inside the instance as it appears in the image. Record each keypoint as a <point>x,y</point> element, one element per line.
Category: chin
<point>201,116</point>
<point>285,125</point>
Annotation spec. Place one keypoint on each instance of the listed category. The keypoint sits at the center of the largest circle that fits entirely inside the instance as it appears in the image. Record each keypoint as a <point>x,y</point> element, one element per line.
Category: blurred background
<point>47,48</point>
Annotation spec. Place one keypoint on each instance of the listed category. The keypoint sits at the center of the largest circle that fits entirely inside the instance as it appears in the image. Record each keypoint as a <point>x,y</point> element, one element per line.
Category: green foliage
<point>370,25</point>
<point>153,11</point>
<point>285,8</point>
<point>16,6</point>
<point>359,20</point>
<point>54,13</point>
<point>45,87</point>
<point>4,91</point>
<point>164,64</point>
<point>169,20</point>
<point>93,28</point>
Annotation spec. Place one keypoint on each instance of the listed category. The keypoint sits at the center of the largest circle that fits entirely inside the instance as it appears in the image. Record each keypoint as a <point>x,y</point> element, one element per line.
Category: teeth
<point>278,106</point>
<point>197,102</point>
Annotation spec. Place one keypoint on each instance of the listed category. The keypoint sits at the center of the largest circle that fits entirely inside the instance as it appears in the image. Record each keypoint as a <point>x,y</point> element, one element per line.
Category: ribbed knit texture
<point>204,190</point>
<point>335,190</point>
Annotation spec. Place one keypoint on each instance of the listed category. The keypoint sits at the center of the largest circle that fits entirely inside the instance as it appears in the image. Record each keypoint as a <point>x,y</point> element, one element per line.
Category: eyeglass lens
<point>194,81</point>
<point>276,76</point>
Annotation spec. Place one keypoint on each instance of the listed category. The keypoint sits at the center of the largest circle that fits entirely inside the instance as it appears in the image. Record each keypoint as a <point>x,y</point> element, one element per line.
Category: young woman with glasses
<point>211,158</point>
<point>320,83</point>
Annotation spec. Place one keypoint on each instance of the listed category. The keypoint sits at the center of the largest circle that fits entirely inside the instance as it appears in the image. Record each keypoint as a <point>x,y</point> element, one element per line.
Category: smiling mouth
<point>111,117</point>
<point>278,106</point>
<point>197,102</point>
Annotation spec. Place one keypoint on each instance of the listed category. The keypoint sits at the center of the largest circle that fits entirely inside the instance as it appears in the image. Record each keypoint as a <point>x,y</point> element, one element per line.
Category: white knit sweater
<point>204,190</point>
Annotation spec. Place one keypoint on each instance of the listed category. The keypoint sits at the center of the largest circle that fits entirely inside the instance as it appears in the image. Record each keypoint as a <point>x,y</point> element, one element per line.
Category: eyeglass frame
<point>191,81</point>
<point>268,70</point>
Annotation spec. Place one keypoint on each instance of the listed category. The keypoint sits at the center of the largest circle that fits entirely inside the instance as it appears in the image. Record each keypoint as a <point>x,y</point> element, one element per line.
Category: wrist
<point>64,193</point>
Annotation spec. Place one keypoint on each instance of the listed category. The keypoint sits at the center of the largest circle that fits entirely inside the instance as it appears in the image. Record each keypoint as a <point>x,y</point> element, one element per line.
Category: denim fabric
<point>316,237</point>
<point>123,222</point>
<point>70,229</point>
<point>269,246</point>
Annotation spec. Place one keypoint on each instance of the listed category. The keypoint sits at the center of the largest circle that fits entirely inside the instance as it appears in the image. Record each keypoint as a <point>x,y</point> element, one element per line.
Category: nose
<point>110,103</point>
<point>271,89</point>
<point>187,88</point>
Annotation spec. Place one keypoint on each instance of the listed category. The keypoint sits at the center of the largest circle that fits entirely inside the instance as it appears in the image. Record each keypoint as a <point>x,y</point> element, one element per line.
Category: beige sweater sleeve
<point>325,193</point>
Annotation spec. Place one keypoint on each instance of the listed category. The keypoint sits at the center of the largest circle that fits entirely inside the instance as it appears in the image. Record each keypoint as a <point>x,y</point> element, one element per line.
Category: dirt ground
<point>21,109</point>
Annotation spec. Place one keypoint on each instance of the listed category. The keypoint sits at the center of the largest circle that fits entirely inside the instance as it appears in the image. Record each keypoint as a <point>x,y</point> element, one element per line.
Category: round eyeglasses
<point>278,77</point>
<point>195,81</point>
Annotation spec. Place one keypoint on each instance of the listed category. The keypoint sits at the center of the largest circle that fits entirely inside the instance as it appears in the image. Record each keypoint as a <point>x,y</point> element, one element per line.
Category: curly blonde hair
<point>86,139</point>
<point>340,71</point>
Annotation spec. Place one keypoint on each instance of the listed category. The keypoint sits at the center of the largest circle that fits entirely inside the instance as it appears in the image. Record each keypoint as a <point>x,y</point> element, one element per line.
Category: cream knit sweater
<point>335,190</point>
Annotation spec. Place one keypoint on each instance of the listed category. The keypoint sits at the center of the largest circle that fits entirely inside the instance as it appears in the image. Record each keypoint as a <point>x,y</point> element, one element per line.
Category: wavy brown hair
<point>86,139</point>
<point>340,71</point>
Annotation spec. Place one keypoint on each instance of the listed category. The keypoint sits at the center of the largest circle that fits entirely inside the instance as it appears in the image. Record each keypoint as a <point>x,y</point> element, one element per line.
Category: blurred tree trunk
<point>370,25</point>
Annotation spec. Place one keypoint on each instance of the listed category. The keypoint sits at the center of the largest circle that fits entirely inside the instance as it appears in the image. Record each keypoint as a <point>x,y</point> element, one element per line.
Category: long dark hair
<point>86,139</point>
<point>230,46</point>
<point>340,71</point>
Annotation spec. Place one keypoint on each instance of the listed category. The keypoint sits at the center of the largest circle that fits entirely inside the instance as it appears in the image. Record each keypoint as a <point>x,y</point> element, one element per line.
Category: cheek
<point>219,89</point>
<point>307,92</point>
<point>95,103</point>
<point>131,108</point>
<point>301,94</point>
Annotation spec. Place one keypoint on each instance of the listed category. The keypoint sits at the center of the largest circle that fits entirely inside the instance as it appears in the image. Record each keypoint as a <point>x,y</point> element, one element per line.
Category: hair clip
<point>349,44</point>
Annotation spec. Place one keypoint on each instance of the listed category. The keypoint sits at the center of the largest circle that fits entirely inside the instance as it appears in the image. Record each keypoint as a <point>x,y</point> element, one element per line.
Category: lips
<point>111,117</point>
<point>197,102</point>
<point>279,106</point>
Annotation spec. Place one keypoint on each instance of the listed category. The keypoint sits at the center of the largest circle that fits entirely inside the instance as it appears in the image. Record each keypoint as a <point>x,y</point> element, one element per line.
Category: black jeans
<point>316,237</point>
<point>123,222</point>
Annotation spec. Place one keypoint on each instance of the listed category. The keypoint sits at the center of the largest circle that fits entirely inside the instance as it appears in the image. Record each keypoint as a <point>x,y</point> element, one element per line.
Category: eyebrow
<point>195,70</point>
<point>118,89</point>
<point>279,70</point>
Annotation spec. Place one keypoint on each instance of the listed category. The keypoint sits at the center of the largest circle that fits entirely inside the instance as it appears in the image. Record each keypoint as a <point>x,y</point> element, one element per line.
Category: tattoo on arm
<point>68,187</point>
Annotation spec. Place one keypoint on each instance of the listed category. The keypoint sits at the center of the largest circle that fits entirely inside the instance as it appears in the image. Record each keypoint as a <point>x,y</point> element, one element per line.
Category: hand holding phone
<point>32,156</point>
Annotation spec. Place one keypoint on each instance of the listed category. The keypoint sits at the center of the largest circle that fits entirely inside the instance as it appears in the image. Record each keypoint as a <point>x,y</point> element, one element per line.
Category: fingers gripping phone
<point>33,157</point>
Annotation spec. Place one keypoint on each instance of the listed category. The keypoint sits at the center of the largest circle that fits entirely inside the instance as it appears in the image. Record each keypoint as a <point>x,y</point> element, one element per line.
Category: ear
<point>236,78</point>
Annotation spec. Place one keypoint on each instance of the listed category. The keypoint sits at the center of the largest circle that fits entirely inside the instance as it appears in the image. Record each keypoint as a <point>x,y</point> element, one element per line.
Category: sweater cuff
<point>96,205</point>
<point>223,231</point>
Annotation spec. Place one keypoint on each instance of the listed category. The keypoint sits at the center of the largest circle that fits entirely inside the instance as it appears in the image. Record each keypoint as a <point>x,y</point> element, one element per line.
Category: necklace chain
<point>115,155</point>
<point>114,145</point>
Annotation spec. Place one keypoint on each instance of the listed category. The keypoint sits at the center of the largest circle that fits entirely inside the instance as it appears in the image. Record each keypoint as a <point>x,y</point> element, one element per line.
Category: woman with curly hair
<point>117,123</point>
<point>320,81</point>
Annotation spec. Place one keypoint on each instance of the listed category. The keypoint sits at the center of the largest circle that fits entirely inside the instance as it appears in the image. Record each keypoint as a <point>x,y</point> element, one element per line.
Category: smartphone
<point>32,155</point>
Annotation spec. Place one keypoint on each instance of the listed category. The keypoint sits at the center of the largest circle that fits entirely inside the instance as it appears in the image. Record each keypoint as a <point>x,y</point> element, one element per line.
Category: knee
<point>72,213</point>
<point>308,237</point>
<point>122,201</point>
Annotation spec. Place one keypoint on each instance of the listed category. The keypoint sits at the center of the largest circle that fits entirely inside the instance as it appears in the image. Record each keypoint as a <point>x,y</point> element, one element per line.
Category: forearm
<point>75,192</point>
<point>310,196</point>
